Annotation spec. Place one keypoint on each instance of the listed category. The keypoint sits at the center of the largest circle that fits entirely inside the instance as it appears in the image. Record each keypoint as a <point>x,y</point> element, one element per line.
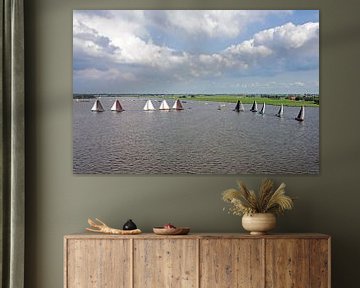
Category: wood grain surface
<point>165,263</point>
<point>287,263</point>
<point>231,263</point>
<point>98,263</point>
<point>197,260</point>
<point>320,263</point>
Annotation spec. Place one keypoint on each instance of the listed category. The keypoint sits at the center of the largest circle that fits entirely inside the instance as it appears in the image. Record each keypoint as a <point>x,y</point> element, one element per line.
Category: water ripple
<point>200,140</point>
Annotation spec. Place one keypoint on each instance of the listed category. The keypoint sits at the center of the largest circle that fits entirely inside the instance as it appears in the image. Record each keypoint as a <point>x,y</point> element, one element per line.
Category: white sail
<point>149,106</point>
<point>262,111</point>
<point>242,108</point>
<point>281,111</point>
<point>164,105</point>
<point>97,107</point>
<point>177,105</point>
<point>254,107</point>
<point>117,106</point>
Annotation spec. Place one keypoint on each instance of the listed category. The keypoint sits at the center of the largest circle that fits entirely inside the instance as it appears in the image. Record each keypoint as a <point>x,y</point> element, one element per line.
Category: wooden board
<point>231,263</point>
<point>287,263</point>
<point>197,260</point>
<point>89,235</point>
<point>165,263</point>
<point>320,263</point>
<point>98,263</point>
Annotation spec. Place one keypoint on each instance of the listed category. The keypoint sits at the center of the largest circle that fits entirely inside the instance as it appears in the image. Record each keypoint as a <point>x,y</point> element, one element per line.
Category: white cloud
<point>110,74</point>
<point>127,34</point>
<point>298,83</point>
<point>273,85</point>
<point>288,36</point>
<point>249,48</point>
<point>119,45</point>
<point>284,47</point>
<point>216,23</point>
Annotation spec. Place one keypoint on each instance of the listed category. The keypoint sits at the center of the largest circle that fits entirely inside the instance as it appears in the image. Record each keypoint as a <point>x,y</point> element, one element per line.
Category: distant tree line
<point>83,96</point>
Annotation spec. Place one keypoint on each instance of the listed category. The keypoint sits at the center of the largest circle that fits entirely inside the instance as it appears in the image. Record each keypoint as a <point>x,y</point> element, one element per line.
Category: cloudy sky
<point>173,51</point>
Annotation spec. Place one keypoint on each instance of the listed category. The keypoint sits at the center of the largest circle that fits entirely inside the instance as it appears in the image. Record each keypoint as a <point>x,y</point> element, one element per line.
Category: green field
<point>250,100</point>
<point>212,98</point>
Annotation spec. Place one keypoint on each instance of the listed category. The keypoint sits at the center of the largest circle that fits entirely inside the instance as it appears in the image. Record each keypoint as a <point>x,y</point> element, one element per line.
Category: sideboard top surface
<point>86,235</point>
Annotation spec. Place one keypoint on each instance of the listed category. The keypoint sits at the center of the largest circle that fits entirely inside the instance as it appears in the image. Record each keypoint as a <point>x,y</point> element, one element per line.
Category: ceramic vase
<point>259,223</point>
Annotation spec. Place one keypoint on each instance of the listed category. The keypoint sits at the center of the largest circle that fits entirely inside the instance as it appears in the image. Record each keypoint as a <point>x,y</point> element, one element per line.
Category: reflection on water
<point>198,140</point>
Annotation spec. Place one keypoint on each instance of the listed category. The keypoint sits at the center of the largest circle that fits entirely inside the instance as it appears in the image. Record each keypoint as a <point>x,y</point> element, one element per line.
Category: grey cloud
<point>268,53</point>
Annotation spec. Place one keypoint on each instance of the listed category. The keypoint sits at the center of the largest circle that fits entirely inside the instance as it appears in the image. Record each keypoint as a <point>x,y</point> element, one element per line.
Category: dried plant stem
<point>101,227</point>
<point>245,201</point>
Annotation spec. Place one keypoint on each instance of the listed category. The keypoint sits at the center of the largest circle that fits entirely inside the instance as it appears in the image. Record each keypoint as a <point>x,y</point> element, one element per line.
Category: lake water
<point>197,140</point>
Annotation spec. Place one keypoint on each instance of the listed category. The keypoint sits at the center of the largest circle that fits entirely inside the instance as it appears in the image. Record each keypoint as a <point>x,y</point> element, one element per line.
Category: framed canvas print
<point>196,92</point>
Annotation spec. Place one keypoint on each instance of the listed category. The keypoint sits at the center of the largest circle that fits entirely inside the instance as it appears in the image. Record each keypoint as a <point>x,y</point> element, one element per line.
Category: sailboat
<point>164,105</point>
<point>262,111</point>
<point>177,105</point>
<point>239,106</point>
<point>301,115</point>
<point>281,111</point>
<point>97,107</point>
<point>254,107</point>
<point>149,106</point>
<point>117,106</point>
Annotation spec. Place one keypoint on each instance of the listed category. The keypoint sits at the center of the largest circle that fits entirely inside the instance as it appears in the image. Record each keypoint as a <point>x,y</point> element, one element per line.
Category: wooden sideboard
<point>197,260</point>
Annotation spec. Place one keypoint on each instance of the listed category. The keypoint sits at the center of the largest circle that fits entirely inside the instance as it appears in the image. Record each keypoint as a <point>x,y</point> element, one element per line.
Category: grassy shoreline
<point>218,98</point>
<point>250,100</point>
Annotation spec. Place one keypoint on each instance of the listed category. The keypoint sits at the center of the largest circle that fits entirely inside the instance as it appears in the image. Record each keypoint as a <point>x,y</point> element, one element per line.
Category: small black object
<point>129,225</point>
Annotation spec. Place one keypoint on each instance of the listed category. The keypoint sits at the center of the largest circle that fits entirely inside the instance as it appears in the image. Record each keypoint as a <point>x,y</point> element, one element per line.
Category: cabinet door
<point>231,263</point>
<point>165,263</point>
<point>287,263</point>
<point>98,263</point>
<point>320,263</point>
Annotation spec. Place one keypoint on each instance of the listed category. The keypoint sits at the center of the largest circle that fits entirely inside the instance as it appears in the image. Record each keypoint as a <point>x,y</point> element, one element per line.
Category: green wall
<point>59,202</point>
